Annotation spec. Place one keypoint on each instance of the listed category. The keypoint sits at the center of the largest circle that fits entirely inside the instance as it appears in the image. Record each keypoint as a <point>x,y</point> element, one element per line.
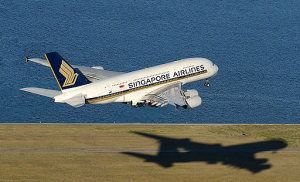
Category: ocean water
<point>256,45</point>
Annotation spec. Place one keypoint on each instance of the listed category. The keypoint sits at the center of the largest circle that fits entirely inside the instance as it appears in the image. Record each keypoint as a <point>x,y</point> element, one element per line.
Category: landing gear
<point>136,104</point>
<point>140,104</point>
<point>206,83</point>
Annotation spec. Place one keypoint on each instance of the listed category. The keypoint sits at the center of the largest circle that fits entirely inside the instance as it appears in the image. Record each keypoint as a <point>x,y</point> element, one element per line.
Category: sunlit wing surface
<point>92,74</point>
<point>38,60</point>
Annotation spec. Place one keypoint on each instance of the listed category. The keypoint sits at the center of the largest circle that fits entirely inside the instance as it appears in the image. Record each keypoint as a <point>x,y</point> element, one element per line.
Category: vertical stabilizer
<point>66,76</point>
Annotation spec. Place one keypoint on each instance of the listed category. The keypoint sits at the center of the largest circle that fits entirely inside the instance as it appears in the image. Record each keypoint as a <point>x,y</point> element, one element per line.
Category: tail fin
<point>66,76</point>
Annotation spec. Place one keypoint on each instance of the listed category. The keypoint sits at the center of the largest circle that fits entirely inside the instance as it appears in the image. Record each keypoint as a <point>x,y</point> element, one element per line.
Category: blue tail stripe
<point>66,76</point>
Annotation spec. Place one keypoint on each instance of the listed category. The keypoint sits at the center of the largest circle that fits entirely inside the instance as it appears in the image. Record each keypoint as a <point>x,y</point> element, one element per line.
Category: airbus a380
<point>158,86</point>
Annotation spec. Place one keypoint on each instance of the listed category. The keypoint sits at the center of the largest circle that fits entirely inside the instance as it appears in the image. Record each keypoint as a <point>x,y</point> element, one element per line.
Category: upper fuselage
<point>125,87</point>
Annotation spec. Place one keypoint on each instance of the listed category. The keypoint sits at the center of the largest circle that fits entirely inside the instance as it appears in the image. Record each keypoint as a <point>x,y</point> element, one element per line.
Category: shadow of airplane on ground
<point>183,150</point>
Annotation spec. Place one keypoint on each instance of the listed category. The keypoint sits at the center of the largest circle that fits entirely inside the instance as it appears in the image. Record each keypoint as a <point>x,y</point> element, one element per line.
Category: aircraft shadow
<point>184,150</point>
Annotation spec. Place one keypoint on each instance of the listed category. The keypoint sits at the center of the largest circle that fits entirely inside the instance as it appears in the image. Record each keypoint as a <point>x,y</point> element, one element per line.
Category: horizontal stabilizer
<point>42,91</point>
<point>76,101</point>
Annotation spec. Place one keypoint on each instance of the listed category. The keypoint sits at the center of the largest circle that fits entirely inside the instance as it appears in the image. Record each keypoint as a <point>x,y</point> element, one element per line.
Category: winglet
<point>27,59</point>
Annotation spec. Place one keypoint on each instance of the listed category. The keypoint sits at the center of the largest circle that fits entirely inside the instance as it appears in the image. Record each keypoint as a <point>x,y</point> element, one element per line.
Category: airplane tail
<point>66,76</point>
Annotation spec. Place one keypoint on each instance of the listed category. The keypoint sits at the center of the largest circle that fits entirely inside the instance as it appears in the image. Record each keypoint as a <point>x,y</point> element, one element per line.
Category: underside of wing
<point>169,94</point>
<point>172,94</point>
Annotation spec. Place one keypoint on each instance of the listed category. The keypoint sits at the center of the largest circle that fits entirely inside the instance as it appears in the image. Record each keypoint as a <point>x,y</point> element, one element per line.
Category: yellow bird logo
<point>68,73</point>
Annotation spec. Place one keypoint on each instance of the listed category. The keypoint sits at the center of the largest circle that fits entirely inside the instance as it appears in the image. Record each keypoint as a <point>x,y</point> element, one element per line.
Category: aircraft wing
<point>91,73</point>
<point>94,74</point>
<point>38,60</point>
<point>271,145</point>
<point>169,94</point>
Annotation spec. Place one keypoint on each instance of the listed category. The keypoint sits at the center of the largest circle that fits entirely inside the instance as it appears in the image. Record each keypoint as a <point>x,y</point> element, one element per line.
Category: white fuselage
<point>133,86</point>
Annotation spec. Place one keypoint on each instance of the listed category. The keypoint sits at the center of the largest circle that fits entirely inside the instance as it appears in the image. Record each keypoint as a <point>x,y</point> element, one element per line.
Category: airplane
<point>156,86</point>
<point>184,150</point>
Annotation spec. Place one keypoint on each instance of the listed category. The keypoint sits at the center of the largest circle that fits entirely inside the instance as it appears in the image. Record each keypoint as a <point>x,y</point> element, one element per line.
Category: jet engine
<point>192,99</point>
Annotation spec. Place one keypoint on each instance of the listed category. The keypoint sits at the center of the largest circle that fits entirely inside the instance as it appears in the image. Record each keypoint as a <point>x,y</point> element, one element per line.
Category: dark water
<point>254,43</point>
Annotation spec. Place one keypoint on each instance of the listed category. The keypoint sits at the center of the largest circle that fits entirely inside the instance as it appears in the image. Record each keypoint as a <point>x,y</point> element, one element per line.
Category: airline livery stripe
<point>118,94</point>
<point>53,72</point>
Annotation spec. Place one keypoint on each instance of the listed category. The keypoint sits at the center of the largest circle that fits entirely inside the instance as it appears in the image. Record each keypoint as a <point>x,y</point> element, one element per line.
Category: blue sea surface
<point>256,45</point>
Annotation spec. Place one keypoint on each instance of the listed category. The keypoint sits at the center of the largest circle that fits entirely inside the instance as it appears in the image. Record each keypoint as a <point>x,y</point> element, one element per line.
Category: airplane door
<point>109,89</point>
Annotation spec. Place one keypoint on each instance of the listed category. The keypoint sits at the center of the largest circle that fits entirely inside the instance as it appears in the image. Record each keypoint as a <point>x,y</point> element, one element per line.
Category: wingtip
<point>176,107</point>
<point>25,89</point>
<point>27,59</point>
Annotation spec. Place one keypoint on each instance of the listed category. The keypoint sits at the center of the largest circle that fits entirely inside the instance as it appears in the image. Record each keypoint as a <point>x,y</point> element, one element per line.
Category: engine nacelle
<point>193,102</point>
<point>192,99</point>
<point>138,103</point>
<point>191,93</point>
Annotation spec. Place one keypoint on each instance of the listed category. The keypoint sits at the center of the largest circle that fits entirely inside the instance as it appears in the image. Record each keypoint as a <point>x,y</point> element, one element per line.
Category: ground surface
<point>68,152</point>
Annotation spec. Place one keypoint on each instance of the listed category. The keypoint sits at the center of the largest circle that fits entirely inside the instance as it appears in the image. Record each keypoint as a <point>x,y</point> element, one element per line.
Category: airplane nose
<point>215,69</point>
